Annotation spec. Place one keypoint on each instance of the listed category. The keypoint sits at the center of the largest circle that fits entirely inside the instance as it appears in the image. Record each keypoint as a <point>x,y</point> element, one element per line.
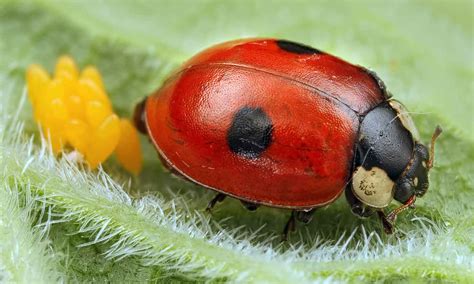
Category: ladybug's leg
<point>290,226</point>
<point>389,220</point>
<point>218,198</point>
<point>387,226</point>
<point>249,205</point>
<point>304,216</point>
<point>357,207</point>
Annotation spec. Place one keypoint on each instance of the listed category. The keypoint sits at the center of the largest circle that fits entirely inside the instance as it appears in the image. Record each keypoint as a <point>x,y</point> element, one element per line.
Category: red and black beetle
<point>277,123</point>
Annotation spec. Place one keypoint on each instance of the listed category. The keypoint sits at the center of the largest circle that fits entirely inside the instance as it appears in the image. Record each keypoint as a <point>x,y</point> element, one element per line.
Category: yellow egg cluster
<point>74,112</point>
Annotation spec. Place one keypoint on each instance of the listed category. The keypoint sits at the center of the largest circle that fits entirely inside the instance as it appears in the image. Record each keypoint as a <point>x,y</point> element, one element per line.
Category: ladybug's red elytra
<point>277,123</point>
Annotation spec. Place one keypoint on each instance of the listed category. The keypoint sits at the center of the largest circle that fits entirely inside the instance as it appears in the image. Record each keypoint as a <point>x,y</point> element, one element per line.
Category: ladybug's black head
<point>390,162</point>
<point>414,180</point>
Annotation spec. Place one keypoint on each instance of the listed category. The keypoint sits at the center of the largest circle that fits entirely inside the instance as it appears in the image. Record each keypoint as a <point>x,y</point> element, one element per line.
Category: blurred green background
<point>423,50</point>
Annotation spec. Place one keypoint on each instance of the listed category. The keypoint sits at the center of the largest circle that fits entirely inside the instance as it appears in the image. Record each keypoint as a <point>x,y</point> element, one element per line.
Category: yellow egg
<point>57,114</point>
<point>55,137</point>
<point>66,64</point>
<point>78,134</point>
<point>89,91</point>
<point>71,95</point>
<point>69,83</point>
<point>128,149</point>
<point>54,113</point>
<point>96,113</point>
<point>103,141</point>
<point>54,90</point>
<point>53,123</point>
<point>37,80</point>
<point>76,110</point>
<point>91,73</point>
<point>76,107</point>
<point>57,142</point>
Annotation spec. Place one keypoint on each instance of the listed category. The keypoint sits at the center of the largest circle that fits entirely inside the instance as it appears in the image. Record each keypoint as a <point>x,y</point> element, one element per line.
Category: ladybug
<point>281,124</point>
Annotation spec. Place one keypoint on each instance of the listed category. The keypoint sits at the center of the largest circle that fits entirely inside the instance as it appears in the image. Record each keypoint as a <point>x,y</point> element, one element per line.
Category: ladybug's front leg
<point>362,211</point>
<point>387,226</point>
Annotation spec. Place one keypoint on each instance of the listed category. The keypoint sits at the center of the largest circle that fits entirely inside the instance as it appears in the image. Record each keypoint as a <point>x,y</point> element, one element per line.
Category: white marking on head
<point>405,118</point>
<point>415,181</point>
<point>372,187</point>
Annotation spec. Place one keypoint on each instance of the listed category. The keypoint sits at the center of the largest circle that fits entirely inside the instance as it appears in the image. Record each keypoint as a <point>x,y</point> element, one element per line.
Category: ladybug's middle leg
<point>249,205</point>
<point>303,216</point>
<point>357,207</point>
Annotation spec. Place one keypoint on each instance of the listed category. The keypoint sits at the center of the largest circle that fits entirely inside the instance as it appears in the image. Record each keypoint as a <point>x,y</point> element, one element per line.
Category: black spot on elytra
<point>297,48</point>
<point>250,133</point>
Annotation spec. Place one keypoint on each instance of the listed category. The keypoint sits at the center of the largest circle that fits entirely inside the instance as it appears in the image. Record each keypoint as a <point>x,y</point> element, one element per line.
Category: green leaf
<point>25,256</point>
<point>155,227</point>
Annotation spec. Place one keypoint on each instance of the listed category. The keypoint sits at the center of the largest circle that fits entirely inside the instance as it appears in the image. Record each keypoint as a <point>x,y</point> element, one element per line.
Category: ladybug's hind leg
<point>218,198</point>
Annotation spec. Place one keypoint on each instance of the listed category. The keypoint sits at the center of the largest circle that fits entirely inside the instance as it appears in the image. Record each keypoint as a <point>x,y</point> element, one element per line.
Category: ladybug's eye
<point>404,116</point>
<point>403,191</point>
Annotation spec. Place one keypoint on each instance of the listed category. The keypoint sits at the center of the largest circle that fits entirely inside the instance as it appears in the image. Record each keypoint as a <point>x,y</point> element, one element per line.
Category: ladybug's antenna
<point>435,136</point>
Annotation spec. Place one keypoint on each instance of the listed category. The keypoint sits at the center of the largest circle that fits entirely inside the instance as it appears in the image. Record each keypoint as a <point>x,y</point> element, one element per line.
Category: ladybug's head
<point>390,161</point>
<point>414,180</point>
